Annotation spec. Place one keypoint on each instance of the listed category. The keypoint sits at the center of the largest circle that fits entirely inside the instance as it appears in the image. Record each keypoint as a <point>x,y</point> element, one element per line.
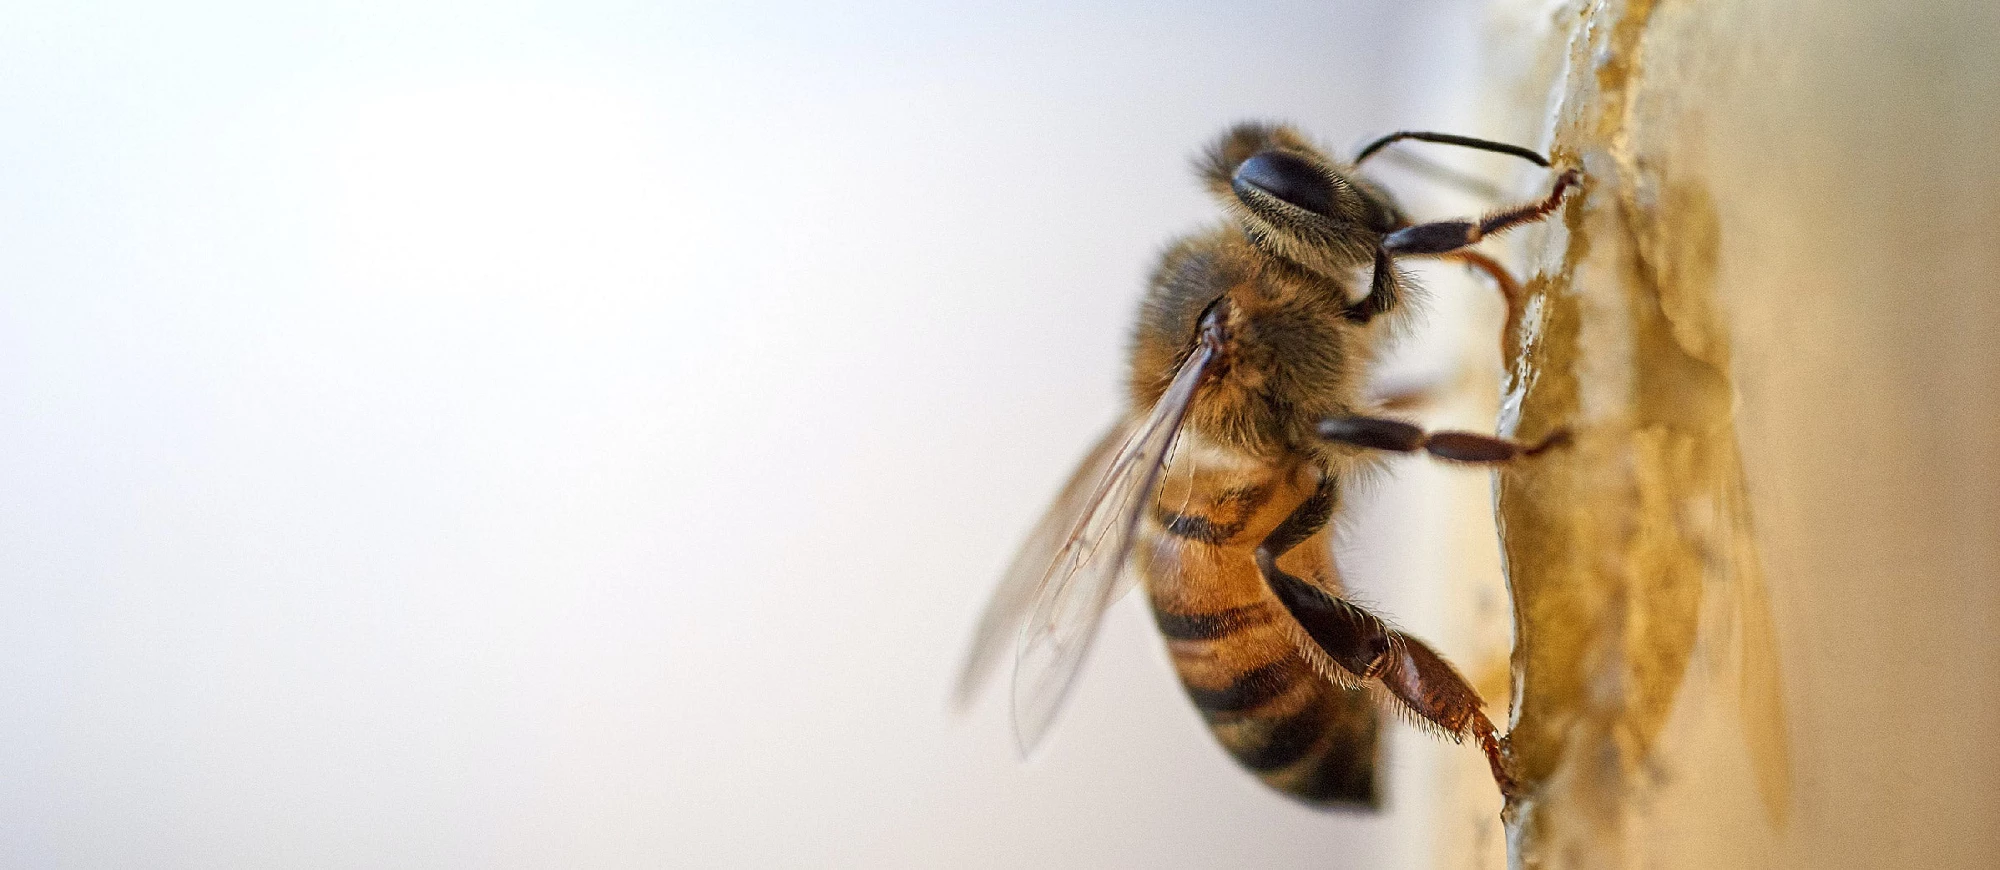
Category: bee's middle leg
<point>1381,433</point>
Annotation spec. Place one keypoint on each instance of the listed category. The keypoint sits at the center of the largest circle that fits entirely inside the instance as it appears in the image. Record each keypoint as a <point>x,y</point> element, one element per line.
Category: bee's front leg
<point>1511,292</point>
<point>1444,237</point>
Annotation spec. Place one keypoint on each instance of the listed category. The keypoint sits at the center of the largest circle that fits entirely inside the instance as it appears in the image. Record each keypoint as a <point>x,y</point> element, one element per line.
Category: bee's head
<point>1294,202</point>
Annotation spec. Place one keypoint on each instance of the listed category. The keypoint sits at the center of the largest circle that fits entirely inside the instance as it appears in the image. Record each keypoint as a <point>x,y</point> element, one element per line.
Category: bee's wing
<point>1082,581</point>
<point>1001,621</point>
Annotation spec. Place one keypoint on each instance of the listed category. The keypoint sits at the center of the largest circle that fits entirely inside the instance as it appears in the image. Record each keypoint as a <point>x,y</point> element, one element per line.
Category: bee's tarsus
<point>1499,756</point>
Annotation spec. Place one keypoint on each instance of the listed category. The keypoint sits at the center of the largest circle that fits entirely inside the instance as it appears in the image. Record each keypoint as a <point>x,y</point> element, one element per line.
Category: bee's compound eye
<point>1289,178</point>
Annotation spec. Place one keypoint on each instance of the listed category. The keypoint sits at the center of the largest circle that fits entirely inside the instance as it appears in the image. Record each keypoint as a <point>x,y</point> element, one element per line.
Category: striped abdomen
<point>1234,645</point>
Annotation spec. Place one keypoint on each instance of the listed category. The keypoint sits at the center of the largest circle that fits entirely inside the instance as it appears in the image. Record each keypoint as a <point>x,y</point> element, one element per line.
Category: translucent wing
<point>1082,581</point>
<point>1001,621</point>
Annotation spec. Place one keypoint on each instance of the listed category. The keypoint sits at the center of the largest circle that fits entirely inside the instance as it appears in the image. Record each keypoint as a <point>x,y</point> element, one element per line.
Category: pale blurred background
<point>520,435</point>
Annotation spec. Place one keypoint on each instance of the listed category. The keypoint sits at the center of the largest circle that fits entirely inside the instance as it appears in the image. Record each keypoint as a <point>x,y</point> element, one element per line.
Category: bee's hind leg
<point>1360,643</point>
<point>1381,433</point>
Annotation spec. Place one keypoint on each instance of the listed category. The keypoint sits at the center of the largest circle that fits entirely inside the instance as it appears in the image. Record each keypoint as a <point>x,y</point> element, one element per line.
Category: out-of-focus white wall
<point>548,435</point>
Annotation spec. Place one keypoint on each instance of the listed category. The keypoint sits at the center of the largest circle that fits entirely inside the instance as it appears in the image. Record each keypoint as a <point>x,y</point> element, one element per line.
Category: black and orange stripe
<point>1235,646</point>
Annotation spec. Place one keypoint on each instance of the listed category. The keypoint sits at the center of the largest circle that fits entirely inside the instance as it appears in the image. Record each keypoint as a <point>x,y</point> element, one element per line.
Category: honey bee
<point>1247,415</point>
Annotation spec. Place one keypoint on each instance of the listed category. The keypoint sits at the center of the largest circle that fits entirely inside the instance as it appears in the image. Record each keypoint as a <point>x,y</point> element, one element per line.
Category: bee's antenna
<point>1450,139</point>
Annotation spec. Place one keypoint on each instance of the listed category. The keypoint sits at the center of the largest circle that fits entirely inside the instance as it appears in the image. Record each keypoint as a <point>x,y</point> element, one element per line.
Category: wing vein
<point>1088,574</point>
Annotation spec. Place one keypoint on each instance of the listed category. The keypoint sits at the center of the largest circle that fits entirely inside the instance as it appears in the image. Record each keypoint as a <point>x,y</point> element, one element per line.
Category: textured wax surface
<point>1757,599</point>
